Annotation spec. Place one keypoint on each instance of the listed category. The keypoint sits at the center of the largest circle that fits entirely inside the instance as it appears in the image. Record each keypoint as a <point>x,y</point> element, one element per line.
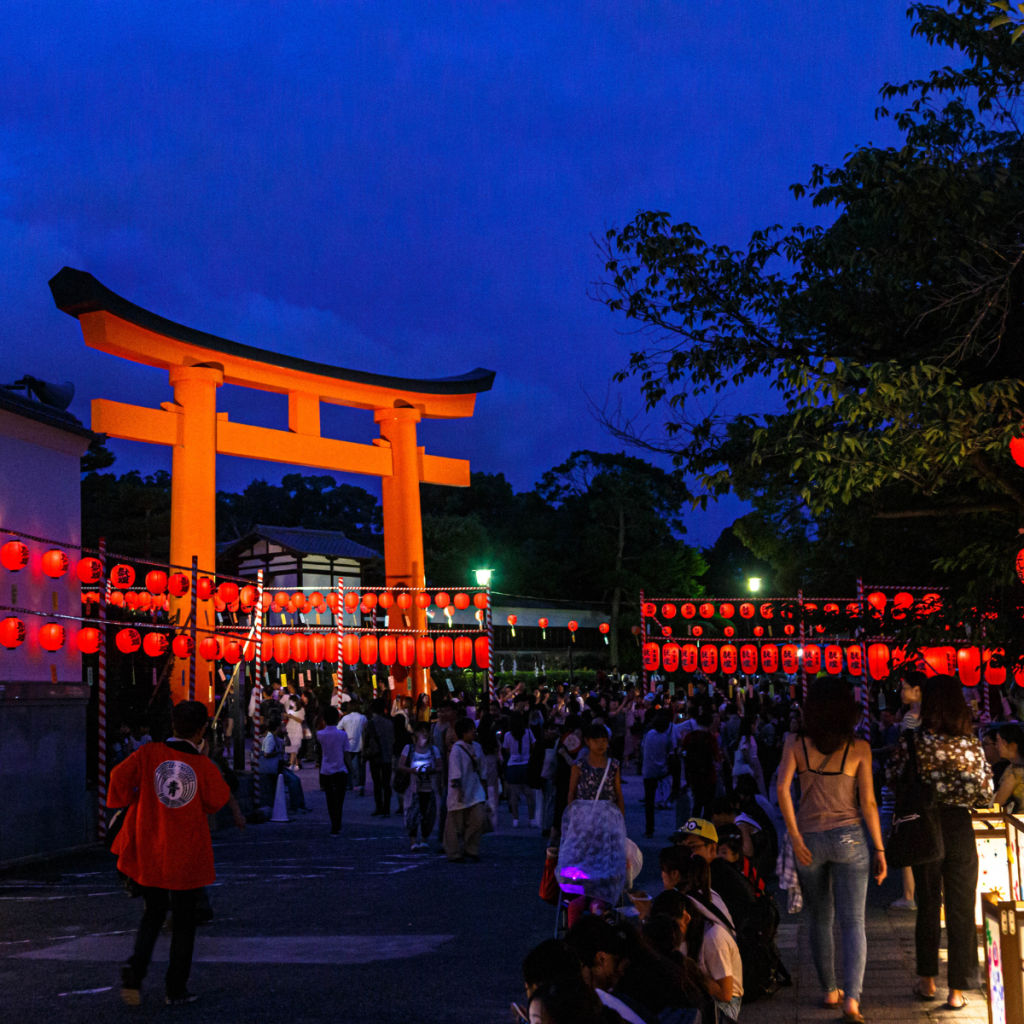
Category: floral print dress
<point>954,765</point>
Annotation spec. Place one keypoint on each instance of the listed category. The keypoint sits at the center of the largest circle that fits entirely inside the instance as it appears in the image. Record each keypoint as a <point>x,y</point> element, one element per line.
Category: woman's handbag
<point>916,836</point>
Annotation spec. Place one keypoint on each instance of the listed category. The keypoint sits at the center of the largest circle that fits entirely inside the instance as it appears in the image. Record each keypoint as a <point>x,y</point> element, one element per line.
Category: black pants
<point>182,903</point>
<point>957,875</point>
<point>380,772</point>
<point>650,788</point>
<point>703,791</point>
<point>334,787</point>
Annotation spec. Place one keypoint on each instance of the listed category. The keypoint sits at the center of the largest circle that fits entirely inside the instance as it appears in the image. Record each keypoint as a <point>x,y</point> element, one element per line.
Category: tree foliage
<point>891,340</point>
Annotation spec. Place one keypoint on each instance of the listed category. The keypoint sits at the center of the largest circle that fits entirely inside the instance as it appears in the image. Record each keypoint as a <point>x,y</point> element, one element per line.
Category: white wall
<point>40,494</point>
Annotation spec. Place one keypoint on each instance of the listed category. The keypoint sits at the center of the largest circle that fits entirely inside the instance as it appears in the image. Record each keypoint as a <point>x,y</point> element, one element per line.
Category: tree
<point>621,521</point>
<point>131,511</point>
<point>892,338</point>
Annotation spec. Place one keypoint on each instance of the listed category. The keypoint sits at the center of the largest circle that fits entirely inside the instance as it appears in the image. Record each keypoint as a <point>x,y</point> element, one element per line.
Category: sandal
<point>829,1006</point>
<point>853,1018</point>
<point>918,994</point>
<point>963,1003</point>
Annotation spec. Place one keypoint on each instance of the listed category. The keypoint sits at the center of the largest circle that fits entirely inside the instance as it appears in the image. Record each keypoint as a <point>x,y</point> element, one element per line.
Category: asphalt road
<point>306,927</point>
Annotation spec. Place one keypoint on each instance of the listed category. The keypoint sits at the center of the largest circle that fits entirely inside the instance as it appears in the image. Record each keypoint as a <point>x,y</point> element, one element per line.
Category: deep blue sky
<point>408,187</point>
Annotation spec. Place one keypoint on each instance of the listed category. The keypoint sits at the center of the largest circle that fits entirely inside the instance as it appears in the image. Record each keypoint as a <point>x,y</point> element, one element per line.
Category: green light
<point>483,577</point>
<point>754,584</point>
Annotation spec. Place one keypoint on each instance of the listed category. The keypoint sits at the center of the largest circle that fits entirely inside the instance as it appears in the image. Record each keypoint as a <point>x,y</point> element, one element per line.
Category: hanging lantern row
<point>369,600</point>
<point>901,605</point>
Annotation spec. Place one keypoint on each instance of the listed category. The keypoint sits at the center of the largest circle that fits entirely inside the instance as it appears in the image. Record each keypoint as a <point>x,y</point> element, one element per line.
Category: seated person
<point>730,849</point>
<point>729,889</point>
<point>756,841</point>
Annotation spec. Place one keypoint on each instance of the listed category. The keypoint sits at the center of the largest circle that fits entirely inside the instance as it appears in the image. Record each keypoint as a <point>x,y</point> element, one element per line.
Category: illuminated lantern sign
<point>790,659</point>
<point>407,651</point>
<point>668,610</point>
<point>349,649</point>
<point>689,658</point>
<point>55,563</point>
<point>183,646</point>
<point>122,576</point>
<point>425,650</point>
<point>994,676</point>
<point>52,636</point>
<point>463,652</point>
<point>968,662</point>
<point>901,603</point>
<point>770,658</point>
<point>388,651</point>
<point>746,611</point>
<point>154,644</point>
<point>89,571</point>
<point>87,641</point>
<point>727,611</point>
<point>128,640</point>
<point>707,610</point>
<point>939,661</point>
<point>670,657</point>
<point>368,649</point>
<point>651,657</point>
<point>876,601</point>
<point>728,658</point>
<point>649,609</point>
<point>854,661</point>
<point>12,633</point>
<point>178,585</point>
<point>709,658</point>
<point>767,611</point>
<point>833,659</point>
<point>748,659</point>
<point>812,659</point>
<point>482,650</point>
<point>878,661</point>
<point>444,651</point>
<point>14,556</point>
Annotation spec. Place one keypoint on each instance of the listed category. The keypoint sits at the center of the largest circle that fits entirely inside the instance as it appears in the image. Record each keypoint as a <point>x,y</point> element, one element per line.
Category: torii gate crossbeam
<point>198,363</point>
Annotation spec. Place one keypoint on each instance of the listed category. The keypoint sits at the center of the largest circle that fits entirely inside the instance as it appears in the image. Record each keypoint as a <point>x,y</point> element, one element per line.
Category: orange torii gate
<point>198,363</point>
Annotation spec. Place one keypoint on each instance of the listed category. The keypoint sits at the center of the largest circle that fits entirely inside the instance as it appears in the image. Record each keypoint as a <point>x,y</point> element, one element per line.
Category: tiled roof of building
<point>330,543</point>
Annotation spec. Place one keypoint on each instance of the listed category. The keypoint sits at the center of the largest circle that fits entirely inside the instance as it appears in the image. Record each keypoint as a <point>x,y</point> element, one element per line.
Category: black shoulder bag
<point>916,836</point>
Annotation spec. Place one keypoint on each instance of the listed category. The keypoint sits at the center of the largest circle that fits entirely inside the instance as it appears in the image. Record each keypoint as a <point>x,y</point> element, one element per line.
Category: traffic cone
<point>280,803</point>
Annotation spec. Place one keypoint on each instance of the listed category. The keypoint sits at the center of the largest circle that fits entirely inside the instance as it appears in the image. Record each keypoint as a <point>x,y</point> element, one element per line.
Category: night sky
<point>408,187</point>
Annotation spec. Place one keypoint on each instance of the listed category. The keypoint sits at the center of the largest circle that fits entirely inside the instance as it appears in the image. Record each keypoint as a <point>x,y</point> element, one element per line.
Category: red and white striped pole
<point>339,622</point>
<point>101,696</point>
<point>865,674</point>
<point>257,689</point>
<point>491,692</point>
<point>643,642</point>
<point>195,615</point>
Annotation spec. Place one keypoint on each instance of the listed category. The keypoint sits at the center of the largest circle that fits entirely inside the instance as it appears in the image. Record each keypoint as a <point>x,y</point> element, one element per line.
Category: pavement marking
<point>249,949</point>
<point>86,991</point>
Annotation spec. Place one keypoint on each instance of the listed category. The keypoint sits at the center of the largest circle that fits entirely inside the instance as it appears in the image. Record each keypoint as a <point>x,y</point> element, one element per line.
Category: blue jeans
<point>836,881</point>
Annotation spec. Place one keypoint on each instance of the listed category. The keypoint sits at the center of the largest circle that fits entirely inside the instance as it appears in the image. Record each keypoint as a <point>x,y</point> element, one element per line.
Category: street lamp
<point>483,577</point>
<point>754,584</point>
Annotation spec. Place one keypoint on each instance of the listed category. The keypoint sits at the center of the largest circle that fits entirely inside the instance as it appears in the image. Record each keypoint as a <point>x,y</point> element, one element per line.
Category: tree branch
<point>948,510</point>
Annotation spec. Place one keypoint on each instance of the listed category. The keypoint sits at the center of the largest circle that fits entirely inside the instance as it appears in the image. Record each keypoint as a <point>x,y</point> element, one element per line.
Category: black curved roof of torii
<point>76,292</point>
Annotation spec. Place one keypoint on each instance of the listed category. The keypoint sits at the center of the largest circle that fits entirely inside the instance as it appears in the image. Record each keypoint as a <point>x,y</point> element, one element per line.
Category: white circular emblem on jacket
<point>175,783</point>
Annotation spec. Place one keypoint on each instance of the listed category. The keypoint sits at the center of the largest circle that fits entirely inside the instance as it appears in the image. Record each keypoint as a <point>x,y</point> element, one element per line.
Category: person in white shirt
<point>467,815</point>
<point>333,767</point>
<point>516,747</point>
<point>353,723</point>
<point>710,941</point>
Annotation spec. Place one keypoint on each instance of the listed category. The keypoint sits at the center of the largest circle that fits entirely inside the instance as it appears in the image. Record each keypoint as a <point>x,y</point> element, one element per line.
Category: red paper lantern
<point>729,631</point>
<point>854,610</point>
<point>297,602</point>
<point>247,596</point>
<point>232,652</point>
<point>605,628</point>
<point>156,581</point>
<point>790,659</point>
<point>689,658</point>
<point>386,600</point>
<point>14,556</point>
<point>316,648</point>
<point>404,601</point>
<point>331,648</point>
<point>122,576</point>
<point>666,631</point>
<point>204,588</point>
<point>930,604</point>
<point>178,585</point>
<point>444,651</point>
<point>209,649</point>
<point>670,657</point>
<point>767,611</point>
<point>228,592</point>
<point>183,646</point>
<point>789,630</point>
<point>333,602</point>
<point>876,601</point>
<point>687,611</point>
<point>812,659</point>
<point>968,661</point>
<point>155,644</point>
<point>425,650</point>
<point>833,659</point>
<point>543,623</point>
<point>746,610</point>
<point>423,600</point>
<point>12,633</point>
<point>350,648</point>
<point>482,651</point>
<point>89,571</point>
<point>267,648</point>
<point>748,659</point>
<point>407,651</point>
<point>299,648</point>
<point>901,603</point>
<point>281,600</point>
<point>831,609</point>
<point>368,649</point>
<point>759,631</point>
<point>249,650</point>
<point>697,630</point>
<point>352,602</point>
<point>442,599</point>
<point>116,598</point>
<point>480,600</point>
<point>854,660</point>
<point>878,661</point>
<point>463,651</point>
<point>462,601</point>
<point>668,611</point>
<point>316,599</point>
<point>145,600</point>
<point>939,661</point>
<point>282,648</point>
<point>994,676</point>
<point>128,640</point>
<point>770,658</point>
<point>709,658</point>
<point>652,656</point>
<point>512,620</point>
<point>369,599</point>
<point>55,563</point>
<point>727,656</point>
<point>707,610</point>
<point>87,640</point>
<point>387,650</point>
<point>648,609</point>
<point>727,611</point>
<point>131,599</point>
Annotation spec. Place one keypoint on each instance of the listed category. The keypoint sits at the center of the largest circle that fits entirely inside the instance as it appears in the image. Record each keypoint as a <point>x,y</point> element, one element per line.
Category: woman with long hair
<point>833,856</point>
<point>1010,748</point>
<point>950,757</point>
<point>517,744</point>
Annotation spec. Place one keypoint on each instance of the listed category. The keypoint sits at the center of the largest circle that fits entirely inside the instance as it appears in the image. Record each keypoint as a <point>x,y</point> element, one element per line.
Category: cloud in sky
<point>410,187</point>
